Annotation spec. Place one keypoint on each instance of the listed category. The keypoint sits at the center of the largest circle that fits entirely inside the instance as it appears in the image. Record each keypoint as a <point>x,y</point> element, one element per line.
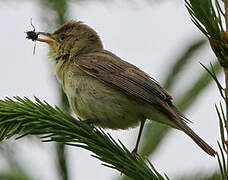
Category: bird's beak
<point>49,41</point>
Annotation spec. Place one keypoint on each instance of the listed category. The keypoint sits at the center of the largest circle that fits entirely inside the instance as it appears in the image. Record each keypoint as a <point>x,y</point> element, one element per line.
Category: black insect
<point>32,35</point>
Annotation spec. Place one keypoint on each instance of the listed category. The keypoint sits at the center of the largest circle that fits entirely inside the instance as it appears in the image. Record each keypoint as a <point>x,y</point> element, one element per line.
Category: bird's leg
<point>135,150</point>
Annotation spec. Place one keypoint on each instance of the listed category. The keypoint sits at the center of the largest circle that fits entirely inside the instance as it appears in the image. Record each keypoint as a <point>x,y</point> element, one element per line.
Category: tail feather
<point>176,110</point>
<point>178,120</point>
<point>208,149</point>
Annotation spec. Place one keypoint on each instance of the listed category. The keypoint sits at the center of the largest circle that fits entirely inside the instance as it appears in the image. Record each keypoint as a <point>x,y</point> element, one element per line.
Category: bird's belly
<point>94,100</point>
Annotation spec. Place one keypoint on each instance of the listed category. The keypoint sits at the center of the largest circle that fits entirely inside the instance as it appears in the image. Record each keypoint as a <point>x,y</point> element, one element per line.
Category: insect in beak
<point>32,35</point>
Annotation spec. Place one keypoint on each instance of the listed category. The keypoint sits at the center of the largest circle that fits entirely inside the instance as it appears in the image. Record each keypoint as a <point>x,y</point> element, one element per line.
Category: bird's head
<point>72,38</point>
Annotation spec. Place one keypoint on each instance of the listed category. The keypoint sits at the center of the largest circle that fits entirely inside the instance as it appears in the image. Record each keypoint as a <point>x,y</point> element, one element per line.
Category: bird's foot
<point>134,153</point>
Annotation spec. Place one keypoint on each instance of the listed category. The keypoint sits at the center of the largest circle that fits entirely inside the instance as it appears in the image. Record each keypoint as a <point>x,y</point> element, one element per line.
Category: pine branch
<point>206,17</point>
<point>208,20</point>
<point>23,117</point>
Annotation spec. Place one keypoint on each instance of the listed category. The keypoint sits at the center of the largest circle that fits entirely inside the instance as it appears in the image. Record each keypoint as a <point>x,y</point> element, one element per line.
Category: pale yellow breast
<point>66,72</point>
<point>92,99</point>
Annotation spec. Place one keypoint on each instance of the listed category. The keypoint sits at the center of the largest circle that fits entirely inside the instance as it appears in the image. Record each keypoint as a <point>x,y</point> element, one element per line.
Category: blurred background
<point>155,35</point>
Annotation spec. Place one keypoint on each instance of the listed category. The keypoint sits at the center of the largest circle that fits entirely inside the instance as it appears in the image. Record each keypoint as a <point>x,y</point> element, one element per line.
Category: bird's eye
<point>62,37</point>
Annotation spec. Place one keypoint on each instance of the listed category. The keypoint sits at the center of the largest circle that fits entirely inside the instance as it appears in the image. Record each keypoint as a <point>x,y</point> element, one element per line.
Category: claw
<point>135,153</point>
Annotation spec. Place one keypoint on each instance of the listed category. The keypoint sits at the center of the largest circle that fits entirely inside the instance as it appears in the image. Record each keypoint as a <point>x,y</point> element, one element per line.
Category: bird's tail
<point>208,149</point>
<point>177,120</point>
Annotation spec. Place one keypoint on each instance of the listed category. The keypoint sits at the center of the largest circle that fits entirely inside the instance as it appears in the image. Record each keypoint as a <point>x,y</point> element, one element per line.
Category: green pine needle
<point>213,75</point>
<point>223,159</point>
<point>24,117</point>
<point>206,18</point>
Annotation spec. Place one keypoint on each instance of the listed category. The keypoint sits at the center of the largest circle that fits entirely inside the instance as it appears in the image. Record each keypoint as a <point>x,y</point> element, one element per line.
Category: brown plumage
<point>107,91</point>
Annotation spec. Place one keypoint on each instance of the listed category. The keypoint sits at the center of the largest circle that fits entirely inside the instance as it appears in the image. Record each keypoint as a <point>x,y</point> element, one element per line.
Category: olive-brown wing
<point>124,76</point>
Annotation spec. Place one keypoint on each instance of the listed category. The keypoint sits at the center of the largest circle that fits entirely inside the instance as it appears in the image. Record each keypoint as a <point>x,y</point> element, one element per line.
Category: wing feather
<point>122,75</point>
<point>129,79</point>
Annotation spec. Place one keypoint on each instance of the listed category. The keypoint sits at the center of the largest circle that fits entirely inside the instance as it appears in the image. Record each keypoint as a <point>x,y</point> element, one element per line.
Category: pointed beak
<point>48,35</point>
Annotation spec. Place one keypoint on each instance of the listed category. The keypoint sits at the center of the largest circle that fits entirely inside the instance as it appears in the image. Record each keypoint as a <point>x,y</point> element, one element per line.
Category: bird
<point>106,91</point>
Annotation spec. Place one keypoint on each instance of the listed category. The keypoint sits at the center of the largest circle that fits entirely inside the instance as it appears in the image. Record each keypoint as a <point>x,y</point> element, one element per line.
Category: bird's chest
<point>69,75</point>
<point>79,87</point>
<point>92,99</point>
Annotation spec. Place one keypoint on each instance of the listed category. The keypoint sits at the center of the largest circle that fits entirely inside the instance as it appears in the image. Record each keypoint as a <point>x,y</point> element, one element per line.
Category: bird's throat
<point>64,57</point>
